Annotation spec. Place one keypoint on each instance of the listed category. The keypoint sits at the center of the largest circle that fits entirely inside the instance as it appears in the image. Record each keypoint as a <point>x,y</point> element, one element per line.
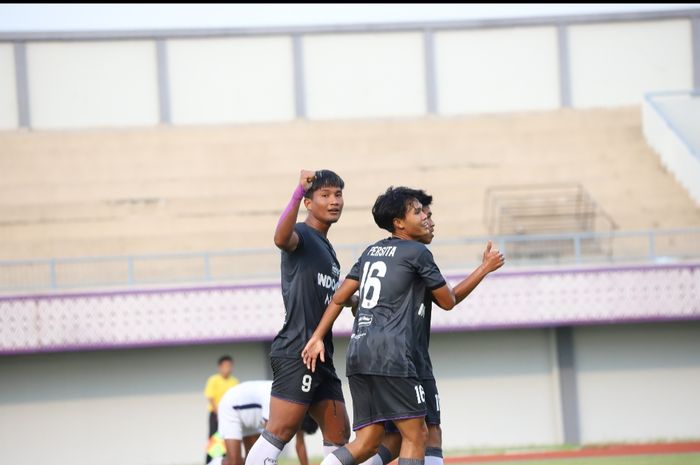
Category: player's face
<point>415,224</point>
<point>225,368</point>
<point>428,238</point>
<point>326,204</point>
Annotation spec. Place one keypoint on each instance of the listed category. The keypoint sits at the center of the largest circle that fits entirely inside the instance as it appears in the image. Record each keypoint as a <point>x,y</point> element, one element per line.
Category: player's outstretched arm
<point>447,297</point>
<point>315,347</point>
<point>285,237</point>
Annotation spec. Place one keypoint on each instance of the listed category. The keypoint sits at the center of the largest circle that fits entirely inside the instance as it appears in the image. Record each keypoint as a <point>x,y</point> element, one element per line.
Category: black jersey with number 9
<point>394,275</point>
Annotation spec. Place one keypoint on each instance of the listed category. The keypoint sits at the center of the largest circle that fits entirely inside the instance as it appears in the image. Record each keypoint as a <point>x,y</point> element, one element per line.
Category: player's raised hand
<point>493,259</point>
<point>313,349</point>
<point>306,178</point>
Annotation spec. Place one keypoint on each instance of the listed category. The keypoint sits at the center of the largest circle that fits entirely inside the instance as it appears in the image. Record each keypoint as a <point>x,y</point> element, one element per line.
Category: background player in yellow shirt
<point>216,387</point>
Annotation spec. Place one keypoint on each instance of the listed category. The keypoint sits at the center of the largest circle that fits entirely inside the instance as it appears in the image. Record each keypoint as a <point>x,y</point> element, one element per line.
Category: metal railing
<point>576,248</point>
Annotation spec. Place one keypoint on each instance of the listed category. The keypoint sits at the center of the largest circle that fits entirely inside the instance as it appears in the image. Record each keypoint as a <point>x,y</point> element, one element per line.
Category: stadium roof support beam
<point>22,85</point>
<point>164,106</point>
<point>564,65</point>
<point>299,76</point>
<point>431,96</point>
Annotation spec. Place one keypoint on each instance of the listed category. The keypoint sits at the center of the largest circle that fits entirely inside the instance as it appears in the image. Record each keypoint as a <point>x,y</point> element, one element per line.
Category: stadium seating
<point>132,191</point>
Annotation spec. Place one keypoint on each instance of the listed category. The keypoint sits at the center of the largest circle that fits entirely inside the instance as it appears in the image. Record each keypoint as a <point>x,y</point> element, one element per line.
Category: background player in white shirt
<point>243,412</point>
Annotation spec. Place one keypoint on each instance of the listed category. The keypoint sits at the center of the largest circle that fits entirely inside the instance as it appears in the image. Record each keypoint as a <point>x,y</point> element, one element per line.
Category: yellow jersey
<point>216,387</point>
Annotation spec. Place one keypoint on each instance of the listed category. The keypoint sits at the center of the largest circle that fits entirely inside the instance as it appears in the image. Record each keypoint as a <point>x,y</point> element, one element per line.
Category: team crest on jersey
<point>364,320</point>
<point>421,310</point>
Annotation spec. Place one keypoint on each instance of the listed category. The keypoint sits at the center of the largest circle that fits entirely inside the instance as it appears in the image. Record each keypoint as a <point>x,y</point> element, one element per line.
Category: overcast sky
<point>73,17</point>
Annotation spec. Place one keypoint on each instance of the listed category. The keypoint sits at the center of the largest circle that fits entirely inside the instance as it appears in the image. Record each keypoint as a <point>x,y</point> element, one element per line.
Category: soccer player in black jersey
<point>389,450</point>
<point>393,276</point>
<point>310,273</point>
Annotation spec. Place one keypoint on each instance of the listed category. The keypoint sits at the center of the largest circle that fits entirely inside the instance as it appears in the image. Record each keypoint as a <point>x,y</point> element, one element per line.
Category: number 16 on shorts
<point>420,394</point>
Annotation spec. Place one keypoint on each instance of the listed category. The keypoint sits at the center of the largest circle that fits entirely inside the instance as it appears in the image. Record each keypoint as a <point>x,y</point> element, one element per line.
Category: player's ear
<point>307,202</point>
<point>398,223</point>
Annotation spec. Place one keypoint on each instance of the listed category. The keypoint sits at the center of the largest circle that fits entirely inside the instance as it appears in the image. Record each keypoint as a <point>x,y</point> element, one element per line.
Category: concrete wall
<point>498,388</point>
<point>217,77</point>
<point>70,408</point>
<point>84,84</point>
<point>615,64</point>
<point>638,383</point>
<point>364,75</point>
<point>214,81</point>
<point>497,70</point>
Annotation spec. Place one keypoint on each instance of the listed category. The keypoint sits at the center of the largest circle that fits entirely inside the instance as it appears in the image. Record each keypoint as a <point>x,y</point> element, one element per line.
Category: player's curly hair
<point>324,178</point>
<point>392,204</point>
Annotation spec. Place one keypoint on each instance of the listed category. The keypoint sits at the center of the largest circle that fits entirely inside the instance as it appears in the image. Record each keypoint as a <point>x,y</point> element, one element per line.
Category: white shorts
<point>238,423</point>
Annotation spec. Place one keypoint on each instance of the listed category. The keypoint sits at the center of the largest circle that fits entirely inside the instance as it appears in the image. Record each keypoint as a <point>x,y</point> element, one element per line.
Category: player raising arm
<point>391,444</point>
<point>309,275</point>
<point>393,277</point>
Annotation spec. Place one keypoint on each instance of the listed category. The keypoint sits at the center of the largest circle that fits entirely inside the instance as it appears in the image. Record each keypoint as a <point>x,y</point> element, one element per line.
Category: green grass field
<point>675,459</point>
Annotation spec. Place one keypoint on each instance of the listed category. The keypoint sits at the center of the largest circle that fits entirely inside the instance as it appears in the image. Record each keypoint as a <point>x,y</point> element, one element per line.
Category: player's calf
<point>433,448</point>
<point>414,435</point>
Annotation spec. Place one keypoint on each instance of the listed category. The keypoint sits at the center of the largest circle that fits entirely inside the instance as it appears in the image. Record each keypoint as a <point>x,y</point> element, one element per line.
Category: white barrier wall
<point>497,70</point>
<point>92,84</point>
<point>134,407</point>
<point>485,377</point>
<point>497,388</point>
<point>638,383</point>
<point>356,71</point>
<point>616,64</point>
<point>364,75</point>
<point>215,81</point>
<point>8,88</point>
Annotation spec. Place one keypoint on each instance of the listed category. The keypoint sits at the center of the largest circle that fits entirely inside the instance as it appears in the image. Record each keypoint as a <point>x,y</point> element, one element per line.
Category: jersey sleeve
<point>301,233</point>
<point>429,271</point>
<point>355,271</point>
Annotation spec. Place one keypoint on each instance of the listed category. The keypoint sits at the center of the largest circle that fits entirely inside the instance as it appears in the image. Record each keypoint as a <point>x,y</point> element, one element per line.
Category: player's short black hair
<point>425,199</point>
<point>224,358</point>
<point>309,426</point>
<point>392,204</point>
<point>324,178</point>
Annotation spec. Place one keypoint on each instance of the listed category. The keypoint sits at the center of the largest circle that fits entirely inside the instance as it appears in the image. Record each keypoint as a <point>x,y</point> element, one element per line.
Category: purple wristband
<point>298,193</point>
<point>296,198</point>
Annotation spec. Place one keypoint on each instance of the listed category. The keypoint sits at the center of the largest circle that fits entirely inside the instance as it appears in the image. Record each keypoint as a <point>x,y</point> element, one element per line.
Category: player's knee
<point>281,433</point>
<point>434,436</point>
<point>418,436</point>
<point>339,435</point>
<point>370,446</point>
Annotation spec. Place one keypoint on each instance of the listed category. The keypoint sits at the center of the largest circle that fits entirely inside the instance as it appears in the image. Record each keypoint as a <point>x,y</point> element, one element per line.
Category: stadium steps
<point>134,191</point>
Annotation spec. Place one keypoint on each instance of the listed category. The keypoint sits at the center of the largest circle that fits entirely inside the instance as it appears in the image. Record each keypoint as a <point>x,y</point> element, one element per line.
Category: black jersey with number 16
<point>394,275</point>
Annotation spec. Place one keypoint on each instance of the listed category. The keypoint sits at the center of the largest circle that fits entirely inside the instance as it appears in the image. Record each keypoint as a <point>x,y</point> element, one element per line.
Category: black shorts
<point>432,402</point>
<point>432,405</point>
<point>377,399</point>
<point>292,381</point>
